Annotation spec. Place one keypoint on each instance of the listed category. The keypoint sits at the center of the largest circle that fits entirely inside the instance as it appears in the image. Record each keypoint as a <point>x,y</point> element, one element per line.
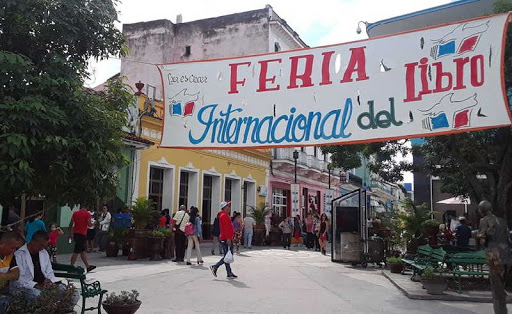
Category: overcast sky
<point>319,22</point>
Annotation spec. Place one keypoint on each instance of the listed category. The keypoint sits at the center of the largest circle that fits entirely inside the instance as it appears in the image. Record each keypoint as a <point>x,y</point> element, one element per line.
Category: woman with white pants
<point>193,238</point>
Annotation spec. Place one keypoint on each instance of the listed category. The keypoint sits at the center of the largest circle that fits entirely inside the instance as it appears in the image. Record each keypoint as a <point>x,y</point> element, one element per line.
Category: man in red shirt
<point>227,232</point>
<point>80,220</point>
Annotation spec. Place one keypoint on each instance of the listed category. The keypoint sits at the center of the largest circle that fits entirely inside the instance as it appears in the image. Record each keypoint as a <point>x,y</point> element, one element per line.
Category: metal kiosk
<point>350,242</point>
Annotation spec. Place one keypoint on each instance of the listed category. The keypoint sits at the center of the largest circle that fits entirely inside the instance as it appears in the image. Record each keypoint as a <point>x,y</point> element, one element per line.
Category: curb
<point>442,297</point>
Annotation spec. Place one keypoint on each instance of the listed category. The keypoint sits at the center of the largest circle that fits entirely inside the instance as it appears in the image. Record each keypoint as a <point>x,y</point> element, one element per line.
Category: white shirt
<point>24,261</point>
<point>105,221</point>
<point>249,223</point>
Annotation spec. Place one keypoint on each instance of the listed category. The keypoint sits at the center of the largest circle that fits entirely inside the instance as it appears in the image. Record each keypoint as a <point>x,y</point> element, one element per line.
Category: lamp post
<point>295,157</point>
<point>358,30</point>
<point>329,168</point>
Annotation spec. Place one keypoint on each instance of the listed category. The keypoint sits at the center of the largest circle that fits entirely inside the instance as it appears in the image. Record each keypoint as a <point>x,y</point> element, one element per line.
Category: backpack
<point>189,229</point>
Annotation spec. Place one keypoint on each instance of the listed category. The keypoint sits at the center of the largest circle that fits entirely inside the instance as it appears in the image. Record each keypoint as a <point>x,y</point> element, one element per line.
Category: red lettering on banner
<point>440,75</point>
<point>357,63</point>
<point>476,69</point>
<point>263,76</point>
<point>326,73</point>
<point>476,76</point>
<point>234,76</point>
<point>306,76</point>
<point>459,74</point>
<point>410,82</point>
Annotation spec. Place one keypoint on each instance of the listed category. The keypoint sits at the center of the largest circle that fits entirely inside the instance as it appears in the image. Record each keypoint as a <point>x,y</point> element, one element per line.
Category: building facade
<point>204,178</point>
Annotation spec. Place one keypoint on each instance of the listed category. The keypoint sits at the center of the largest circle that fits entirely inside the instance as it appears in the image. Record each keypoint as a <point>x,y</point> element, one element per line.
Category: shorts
<point>91,234</point>
<point>79,243</point>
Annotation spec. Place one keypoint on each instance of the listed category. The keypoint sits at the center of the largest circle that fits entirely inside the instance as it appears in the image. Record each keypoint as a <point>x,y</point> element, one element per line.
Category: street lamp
<point>295,157</point>
<point>329,168</point>
<point>358,30</point>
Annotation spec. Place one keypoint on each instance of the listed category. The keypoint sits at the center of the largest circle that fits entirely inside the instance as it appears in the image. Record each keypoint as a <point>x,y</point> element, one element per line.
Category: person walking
<point>316,232</point>
<point>297,230</point>
<point>227,233</point>
<point>55,232</point>
<point>91,232</point>
<point>216,233</point>
<point>249,223</point>
<point>287,228</point>
<point>33,225</point>
<point>180,220</point>
<point>310,240</point>
<point>195,237</point>
<point>77,230</point>
<point>104,226</point>
<point>238,225</point>
<point>324,227</point>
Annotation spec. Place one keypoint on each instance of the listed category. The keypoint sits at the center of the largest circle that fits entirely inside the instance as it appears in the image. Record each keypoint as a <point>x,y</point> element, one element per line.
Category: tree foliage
<point>57,138</point>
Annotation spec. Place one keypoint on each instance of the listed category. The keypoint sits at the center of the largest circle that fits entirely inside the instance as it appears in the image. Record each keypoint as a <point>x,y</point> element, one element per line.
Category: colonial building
<point>203,178</point>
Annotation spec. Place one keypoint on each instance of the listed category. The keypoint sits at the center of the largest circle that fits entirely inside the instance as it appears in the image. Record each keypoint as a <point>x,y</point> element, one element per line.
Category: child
<point>55,232</point>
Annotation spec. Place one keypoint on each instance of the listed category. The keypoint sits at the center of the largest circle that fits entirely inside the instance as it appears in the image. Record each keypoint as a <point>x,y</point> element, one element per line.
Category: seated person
<point>35,268</point>
<point>9,242</point>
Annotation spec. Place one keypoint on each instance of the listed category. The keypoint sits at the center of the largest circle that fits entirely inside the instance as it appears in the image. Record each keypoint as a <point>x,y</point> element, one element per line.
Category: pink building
<point>311,171</point>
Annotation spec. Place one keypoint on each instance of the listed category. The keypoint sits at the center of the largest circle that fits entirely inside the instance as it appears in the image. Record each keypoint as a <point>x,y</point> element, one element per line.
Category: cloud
<point>321,22</point>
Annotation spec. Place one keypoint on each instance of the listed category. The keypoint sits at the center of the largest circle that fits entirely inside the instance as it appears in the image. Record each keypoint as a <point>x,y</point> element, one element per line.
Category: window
<point>244,200</point>
<point>315,151</point>
<point>156,186</point>
<point>280,202</point>
<point>184,176</point>
<point>207,204</point>
<point>277,47</point>
<point>187,50</point>
<point>303,149</point>
<point>227,190</point>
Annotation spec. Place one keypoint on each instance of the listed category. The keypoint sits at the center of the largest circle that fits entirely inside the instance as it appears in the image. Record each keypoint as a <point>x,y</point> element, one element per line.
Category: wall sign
<point>439,80</point>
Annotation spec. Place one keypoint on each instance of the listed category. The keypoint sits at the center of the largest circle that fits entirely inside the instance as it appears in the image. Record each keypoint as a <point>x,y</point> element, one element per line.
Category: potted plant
<point>143,214</point>
<point>259,214</point>
<point>53,299</point>
<point>407,224</point>
<point>432,281</point>
<point>115,241</point>
<point>156,238</point>
<point>124,303</point>
<point>430,227</point>
<point>168,249</point>
<point>395,264</point>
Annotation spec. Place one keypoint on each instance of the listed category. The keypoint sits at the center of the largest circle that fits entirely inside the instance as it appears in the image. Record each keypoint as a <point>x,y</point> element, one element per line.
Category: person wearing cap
<point>227,233</point>
<point>462,233</point>
<point>180,220</point>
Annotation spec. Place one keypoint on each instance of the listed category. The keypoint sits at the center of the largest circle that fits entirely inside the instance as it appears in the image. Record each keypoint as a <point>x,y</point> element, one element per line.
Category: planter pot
<point>156,248</point>
<point>275,236</point>
<point>258,237</point>
<point>138,243</point>
<point>121,309</point>
<point>434,286</point>
<point>112,249</point>
<point>396,268</point>
<point>126,249</point>
<point>168,249</point>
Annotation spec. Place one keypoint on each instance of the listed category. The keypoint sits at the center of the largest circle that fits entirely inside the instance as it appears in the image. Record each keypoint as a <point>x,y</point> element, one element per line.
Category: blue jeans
<point>4,303</point>
<point>224,246</point>
<point>248,238</point>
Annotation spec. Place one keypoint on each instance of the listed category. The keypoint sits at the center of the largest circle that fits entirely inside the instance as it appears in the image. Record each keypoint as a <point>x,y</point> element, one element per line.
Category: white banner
<point>295,189</point>
<point>434,81</point>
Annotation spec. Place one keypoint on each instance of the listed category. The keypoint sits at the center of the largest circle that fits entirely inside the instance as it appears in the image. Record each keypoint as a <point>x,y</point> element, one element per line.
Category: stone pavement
<point>271,280</point>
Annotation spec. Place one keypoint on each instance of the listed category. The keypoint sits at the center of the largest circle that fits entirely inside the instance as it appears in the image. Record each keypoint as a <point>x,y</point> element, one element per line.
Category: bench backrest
<point>438,255</point>
<point>68,271</point>
<point>424,250</point>
<point>468,258</point>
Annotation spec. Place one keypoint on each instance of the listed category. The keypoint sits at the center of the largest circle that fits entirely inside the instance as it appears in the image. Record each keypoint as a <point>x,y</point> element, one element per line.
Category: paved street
<point>271,280</point>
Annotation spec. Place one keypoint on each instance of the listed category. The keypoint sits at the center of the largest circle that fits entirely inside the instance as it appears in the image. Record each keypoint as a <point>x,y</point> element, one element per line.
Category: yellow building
<point>202,178</point>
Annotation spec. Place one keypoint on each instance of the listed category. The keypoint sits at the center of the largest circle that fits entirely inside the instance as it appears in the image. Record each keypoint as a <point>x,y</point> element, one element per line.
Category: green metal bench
<point>87,290</point>
<point>467,264</point>
<point>426,256</point>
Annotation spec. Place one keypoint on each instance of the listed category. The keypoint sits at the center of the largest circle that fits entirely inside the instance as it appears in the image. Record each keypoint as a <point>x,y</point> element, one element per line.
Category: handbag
<point>189,229</point>
<point>229,258</point>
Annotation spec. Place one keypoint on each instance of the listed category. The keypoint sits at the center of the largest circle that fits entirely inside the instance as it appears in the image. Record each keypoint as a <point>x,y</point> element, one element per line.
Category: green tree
<point>477,164</point>
<point>57,138</point>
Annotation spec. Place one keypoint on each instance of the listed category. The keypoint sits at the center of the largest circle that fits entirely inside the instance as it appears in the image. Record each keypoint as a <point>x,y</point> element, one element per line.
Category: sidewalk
<point>270,280</point>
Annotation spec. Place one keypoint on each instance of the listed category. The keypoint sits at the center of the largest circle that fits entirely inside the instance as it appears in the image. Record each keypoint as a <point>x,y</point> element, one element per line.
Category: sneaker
<point>214,271</point>
<point>91,268</point>
<point>232,276</point>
